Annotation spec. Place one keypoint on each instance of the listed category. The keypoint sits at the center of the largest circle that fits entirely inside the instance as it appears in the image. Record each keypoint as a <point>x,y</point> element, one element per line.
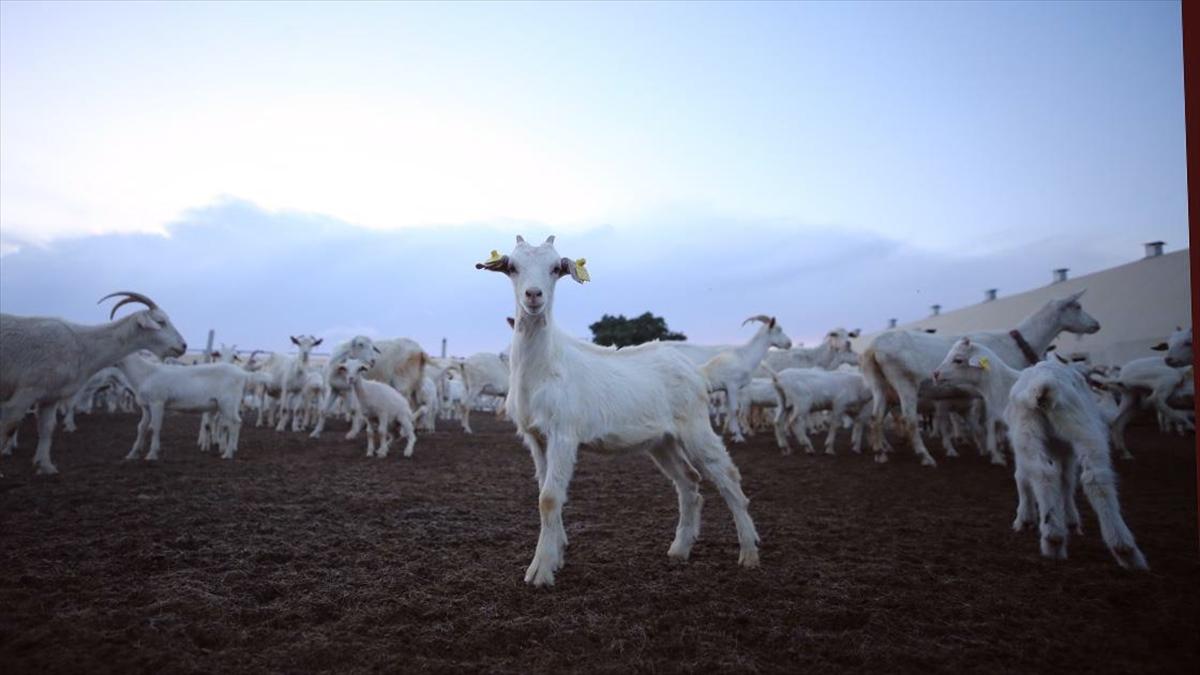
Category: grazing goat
<point>1059,439</point>
<point>566,394</point>
<point>897,366</point>
<point>383,404</point>
<point>45,360</point>
<point>731,370</point>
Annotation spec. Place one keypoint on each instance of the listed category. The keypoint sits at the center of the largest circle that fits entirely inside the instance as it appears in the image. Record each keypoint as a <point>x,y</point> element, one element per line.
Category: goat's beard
<point>529,322</point>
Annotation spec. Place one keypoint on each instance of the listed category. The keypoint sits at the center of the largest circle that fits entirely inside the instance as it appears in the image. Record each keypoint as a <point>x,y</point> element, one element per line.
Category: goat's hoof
<point>1019,525</point>
<point>881,458</point>
<point>999,461</point>
<point>929,462</point>
<point>1125,454</point>
<point>46,469</point>
<point>1130,557</point>
<point>1054,547</point>
<point>540,573</point>
<point>830,452</point>
<point>950,454</point>
<point>748,558</point>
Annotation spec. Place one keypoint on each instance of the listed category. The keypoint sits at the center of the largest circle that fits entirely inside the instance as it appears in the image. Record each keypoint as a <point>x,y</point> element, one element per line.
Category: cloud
<point>257,276</point>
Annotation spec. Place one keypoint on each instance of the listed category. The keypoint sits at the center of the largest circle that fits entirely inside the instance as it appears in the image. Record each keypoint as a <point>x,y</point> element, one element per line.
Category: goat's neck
<point>535,343</point>
<point>1040,328</point>
<point>136,369</point>
<point>108,343</point>
<point>753,352</point>
<point>1001,379</point>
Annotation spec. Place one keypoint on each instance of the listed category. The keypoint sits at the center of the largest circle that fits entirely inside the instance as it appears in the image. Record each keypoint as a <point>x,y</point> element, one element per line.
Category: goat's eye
<point>958,361</point>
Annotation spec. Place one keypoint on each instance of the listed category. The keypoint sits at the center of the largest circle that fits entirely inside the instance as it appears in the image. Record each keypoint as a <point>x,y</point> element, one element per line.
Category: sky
<point>336,169</point>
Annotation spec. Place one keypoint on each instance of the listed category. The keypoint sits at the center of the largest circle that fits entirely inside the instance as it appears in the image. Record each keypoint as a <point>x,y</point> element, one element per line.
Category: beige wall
<point>1137,305</point>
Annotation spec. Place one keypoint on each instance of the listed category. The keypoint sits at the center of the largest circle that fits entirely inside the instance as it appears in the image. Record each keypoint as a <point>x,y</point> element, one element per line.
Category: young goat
<point>292,376</point>
<point>383,404</point>
<point>566,393</point>
<point>807,390</point>
<point>1058,437</point>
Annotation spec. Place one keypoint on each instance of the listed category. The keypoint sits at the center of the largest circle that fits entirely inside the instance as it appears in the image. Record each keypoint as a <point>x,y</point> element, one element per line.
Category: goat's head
<point>967,364</point>
<point>1178,348</point>
<point>1071,316</point>
<point>152,322</point>
<point>534,271</point>
<point>306,344</point>
<point>226,354</point>
<point>775,334</point>
<point>838,339</point>
<point>353,370</point>
<point>363,349</point>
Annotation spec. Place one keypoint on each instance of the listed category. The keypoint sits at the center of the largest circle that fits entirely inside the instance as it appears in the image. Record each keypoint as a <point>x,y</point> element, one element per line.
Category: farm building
<point>1137,304</point>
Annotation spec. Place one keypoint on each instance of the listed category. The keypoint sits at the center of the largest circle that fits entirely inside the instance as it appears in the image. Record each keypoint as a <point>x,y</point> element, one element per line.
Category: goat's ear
<point>1160,347</point>
<point>341,369</point>
<point>511,322</point>
<point>772,323</point>
<point>146,321</point>
<point>1051,348</point>
<point>377,349</point>
<point>520,239</point>
<point>854,333</point>
<point>319,341</point>
<point>494,263</point>
<point>1076,296</point>
<point>295,341</point>
<point>979,362</point>
<point>576,268</point>
<point>550,240</point>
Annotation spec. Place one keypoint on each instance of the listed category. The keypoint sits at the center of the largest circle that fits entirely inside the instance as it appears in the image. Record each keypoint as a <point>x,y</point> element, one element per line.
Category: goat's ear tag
<point>579,272</point>
<point>981,362</point>
<point>495,257</point>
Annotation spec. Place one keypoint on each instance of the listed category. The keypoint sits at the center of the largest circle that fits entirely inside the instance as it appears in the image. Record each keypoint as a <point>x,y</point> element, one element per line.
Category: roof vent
<point>937,309</point>
<point>891,323</point>
<point>1153,249</point>
<point>989,295</point>
<point>1060,275</point>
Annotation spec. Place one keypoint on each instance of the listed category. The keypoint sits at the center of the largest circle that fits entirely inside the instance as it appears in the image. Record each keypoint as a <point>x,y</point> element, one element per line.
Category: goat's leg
<point>1126,411</point>
<point>156,422</point>
<point>143,428</point>
<point>942,423</point>
<point>856,435</point>
<point>733,408</point>
<point>708,454</point>
<point>1043,476</point>
<point>1100,487</point>
<point>11,414</point>
<point>231,421</point>
<point>359,420</point>
<point>327,404</point>
<point>781,430</point>
<point>907,393</point>
<point>560,466</point>
<point>835,423</point>
<point>47,419</point>
<point>1070,483</point>
<point>671,461</point>
<point>409,433</point>
<point>467,401</point>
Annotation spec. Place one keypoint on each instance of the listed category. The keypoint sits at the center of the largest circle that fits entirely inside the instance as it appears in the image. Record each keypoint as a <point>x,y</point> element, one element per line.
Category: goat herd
<point>663,398</point>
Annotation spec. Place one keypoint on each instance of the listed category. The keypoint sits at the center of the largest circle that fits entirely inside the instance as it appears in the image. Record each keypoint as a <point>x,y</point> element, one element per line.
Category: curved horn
<point>129,296</point>
<point>758,317</point>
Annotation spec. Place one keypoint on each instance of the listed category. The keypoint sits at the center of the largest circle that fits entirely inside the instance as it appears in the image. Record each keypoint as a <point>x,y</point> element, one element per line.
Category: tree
<point>621,332</point>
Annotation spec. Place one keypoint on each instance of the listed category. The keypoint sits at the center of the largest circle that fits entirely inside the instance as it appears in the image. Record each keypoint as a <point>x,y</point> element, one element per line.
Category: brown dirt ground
<point>307,556</point>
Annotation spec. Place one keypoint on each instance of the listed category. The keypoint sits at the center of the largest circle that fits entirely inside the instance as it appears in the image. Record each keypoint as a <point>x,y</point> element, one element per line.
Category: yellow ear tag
<point>983,363</point>
<point>581,272</point>
<point>495,257</point>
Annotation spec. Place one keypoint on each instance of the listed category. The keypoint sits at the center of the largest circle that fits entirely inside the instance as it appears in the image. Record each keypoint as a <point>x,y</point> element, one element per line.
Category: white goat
<point>83,399</point>
<point>807,390</point>
<point>566,394</point>
<point>292,376</point>
<point>897,366</point>
<point>429,400</point>
<point>1178,348</point>
<point>400,363</point>
<point>382,404</point>
<point>336,386</point>
<point>731,370</point>
<point>481,374</point>
<point>208,387</point>
<point>1144,382</point>
<point>1059,438</point>
<point>45,360</point>
<point>835,349</point>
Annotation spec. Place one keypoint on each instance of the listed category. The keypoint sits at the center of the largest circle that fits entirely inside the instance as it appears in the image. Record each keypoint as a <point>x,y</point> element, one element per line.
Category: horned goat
<point>45,360</point>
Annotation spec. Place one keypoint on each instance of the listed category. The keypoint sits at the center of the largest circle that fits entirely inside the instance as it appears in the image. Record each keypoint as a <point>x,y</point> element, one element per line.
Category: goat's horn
<point>130,296</point>
<point>758,317</point>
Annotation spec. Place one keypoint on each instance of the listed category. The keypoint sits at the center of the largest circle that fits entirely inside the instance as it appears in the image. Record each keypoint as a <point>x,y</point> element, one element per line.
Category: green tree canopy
<point>621,332</point>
